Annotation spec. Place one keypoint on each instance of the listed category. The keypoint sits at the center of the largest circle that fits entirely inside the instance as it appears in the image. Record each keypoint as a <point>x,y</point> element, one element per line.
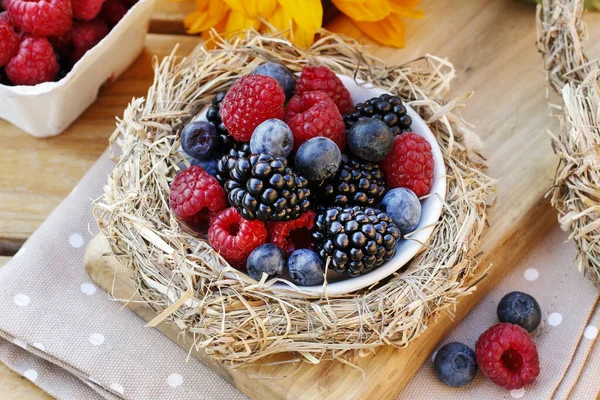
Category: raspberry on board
<point>325,80</point>
<point>85,35</point>
<point>86,9</point>
<point>314,114</point>
<point>9,43</point>
<point>410,164</point>
<point>34,63</point>
<point>251,100</point>
<point>292,235</point>
<point>508,356</point>
<point>41,17</point>
<point>196,195</point>
<point>235,237</point>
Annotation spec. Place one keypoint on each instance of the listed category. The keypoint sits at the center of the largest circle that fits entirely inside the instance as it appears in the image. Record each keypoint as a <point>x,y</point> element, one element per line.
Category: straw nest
<point>233,318</point>
<point>576,190</point>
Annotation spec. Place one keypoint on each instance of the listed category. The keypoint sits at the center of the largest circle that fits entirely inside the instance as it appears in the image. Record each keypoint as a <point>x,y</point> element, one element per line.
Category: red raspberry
<point>508,356</point>
<point>86,9</point>
<point>251,100</point>
<point>410,164</point>
<point>9,43</point>
<point>35,62</point>
<point>325,80</point>
<point>195,195</point>
<point>85,35</point>
<point>292,235</point>
<point>4,16</point>
<point>112,12</point>
<point>41,17</point>
<point>62,44</point>
<point>315,114</point>
<point>235,237</point>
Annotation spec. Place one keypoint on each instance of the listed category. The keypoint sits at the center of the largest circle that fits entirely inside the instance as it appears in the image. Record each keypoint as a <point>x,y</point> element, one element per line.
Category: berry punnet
<point>318,158</point>
<point>281,74</point>
<point>386,108</point>
<point>521,309</point>
<point>34,63</point>
<point>41,18</point>
<point>370,140</point>
<point>267,259</point>
<point>306,268</point>
<point>508,356</point>
<point>455,364</point>
<point>404,207</point>
<point>356,239</point>
<point>213,115</point>
<point>9,43</point>
<point>272,137</point>
<point>199,139</point>
<point>324,80</point>
<point>292,235</point>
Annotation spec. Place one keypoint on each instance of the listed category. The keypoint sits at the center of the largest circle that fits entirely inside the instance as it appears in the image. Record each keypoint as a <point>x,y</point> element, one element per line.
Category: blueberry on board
<point>268,259</point>
<point>273,137</point>
<point>318,158</point>
<point>200,140</point>
<point>281,74</point>
<point>209,165</point>
<point>306,267</point>
<point>370,139</point>
<point>455,364</point>
<point>404,207</point>
<point>521,309</point>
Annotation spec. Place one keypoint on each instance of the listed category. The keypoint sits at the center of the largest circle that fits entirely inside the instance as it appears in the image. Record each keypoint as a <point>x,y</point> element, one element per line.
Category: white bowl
<point>49,108</point>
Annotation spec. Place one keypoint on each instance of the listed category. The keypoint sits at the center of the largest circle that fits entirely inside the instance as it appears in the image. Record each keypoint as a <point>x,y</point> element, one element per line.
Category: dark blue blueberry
<point>199,139</point>
<point>521,309</point>
<point>403,207</point>
<point>455,364</point>
<point>281,74</point>
<point>306,267</point>
<point>272,137</point>
<point>318,158</point>
<point>209,166</point>
<point>267,258</point>
<point>370,139</point>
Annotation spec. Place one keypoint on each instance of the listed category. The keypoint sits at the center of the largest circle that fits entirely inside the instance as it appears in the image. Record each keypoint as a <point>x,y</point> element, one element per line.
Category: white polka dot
<point>531,274</point>
<point>117,388</point>
<point>76,240</point>
<point>20,343</point>
<point>96,339</point>
<point>517,393</point>
<point>21,299</point>
<point>175,380</point>
<point>31,374</point>
<point>88,288</point>
<point>20,252</point>
<point>590,332</point>
<point>555,319</point>
<point>39,346</point>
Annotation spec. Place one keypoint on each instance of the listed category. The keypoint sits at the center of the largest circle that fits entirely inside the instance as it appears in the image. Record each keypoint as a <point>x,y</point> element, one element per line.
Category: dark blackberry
<point>227,162</point>
<point>213,116</point>
<point>356,183</point>
<point>387,108</point>
<point>357,239</point>
<point>263,187</point>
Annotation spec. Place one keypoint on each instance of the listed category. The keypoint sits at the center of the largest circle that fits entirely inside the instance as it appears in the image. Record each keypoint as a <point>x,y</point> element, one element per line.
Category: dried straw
<point>233,318</point>
<point>576,191</point>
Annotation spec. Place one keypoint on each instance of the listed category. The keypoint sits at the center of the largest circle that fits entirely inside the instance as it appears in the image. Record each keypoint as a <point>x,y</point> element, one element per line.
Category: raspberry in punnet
<point>323,79</point>
<point>314,114</point>
<point>251,100</point>
<point>112,12</point>
<point>34,63</point>
<point>85,35</point>
<point>41,17</point>
<point>86,9</point>
<point>9,43</point>
<point>508,356</point>
<point>410,164</point>
<point>292,235</point>
<point>235,237</point>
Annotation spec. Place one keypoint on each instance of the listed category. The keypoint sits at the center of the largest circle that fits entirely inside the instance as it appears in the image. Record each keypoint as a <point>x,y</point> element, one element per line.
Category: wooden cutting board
<point>492,45</point>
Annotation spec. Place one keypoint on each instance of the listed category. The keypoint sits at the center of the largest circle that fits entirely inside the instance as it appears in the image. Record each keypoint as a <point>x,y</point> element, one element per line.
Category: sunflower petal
<point>405,11</point>
<point>281,19</point>
<point>200,21</point>
<point>302,37</point>
<point>252,8</point>
<point>389,31</point>
<point>209,43</point>
<point>308,14</point>
<point>342,24</point>
<point>238,22</point>
<point>373,10</point>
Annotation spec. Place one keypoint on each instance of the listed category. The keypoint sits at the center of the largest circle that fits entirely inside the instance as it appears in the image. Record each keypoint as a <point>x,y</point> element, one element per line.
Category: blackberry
<point>387,108</point>
<point>213,115</point>
<point>227,162</point>
<point>356,183</point>
<point>263,187</point>
<point>357,239</point>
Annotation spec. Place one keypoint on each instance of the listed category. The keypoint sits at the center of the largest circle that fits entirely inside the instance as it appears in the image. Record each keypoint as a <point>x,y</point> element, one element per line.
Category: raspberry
<point>315,114</point>
<point>35,62</point>
<point>292,235</point>
<point>323,79</point>
<point>4,16</point>
<point>235,237</point>
<point>62,44</point>
<point>9,43</point>
<point>112,12</point>
<point>41,17</point>
<point>87,34</point>
<point>86,9</point>
<point>410,164</point>
<point>251,100</point>
<point>508,356</point>
<point>195,195</point>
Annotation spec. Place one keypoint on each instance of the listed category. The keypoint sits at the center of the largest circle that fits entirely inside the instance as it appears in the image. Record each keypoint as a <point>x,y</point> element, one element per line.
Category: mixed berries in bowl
<point>310,178</point>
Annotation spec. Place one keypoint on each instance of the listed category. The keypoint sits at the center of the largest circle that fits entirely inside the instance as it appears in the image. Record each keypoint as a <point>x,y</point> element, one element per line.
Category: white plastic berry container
<point>49,108</point>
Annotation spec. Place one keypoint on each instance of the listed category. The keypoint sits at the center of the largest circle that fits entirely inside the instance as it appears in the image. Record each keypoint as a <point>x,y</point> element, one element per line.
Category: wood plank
<point>168,16</point>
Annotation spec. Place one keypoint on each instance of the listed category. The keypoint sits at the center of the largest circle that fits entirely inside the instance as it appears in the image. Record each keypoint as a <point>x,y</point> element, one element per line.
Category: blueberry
<point>306,267</point>
<point>200,139</point>
<point>281,74</point>
<point>272,137</point>
<point>455,364</point>
<point>370,139</point>
<point>267,258</point>
<point>209,166</point>
<point>403,207</point>
<point>318,158</point>
<point>521,309</point>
